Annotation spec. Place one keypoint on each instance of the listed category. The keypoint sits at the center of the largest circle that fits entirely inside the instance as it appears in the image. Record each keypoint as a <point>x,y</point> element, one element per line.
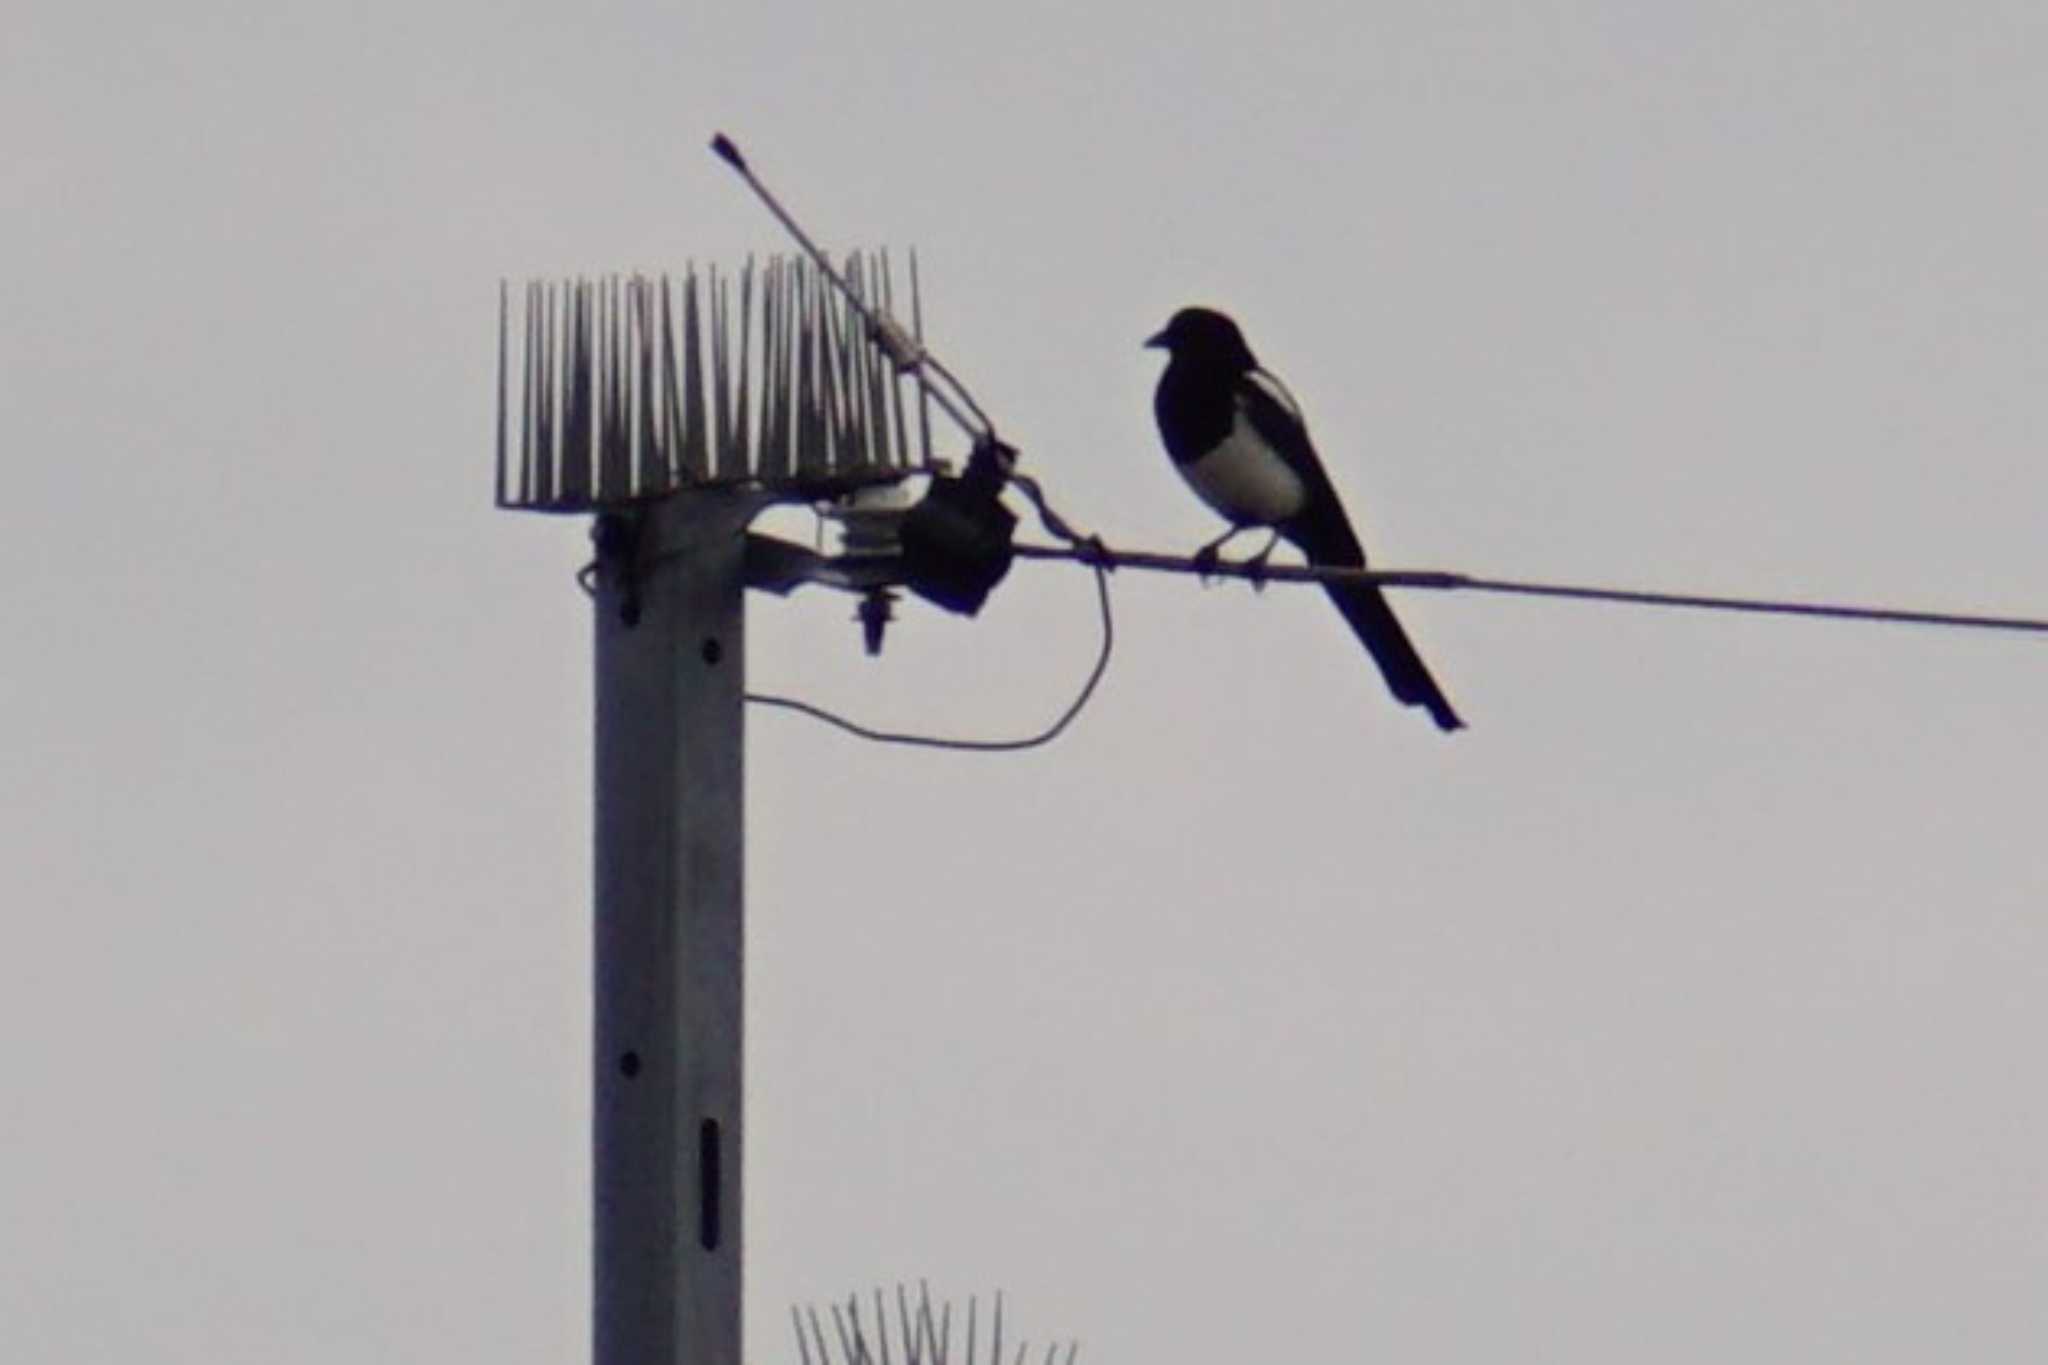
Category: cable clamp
<point>903,349</point>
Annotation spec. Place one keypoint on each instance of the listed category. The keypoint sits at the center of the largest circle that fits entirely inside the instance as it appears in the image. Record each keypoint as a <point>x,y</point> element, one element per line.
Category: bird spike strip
<point>916,1335</point>
<point>631,388</point>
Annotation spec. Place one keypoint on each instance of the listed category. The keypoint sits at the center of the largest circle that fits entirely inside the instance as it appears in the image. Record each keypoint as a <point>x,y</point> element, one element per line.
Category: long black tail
<point>1407,676</point>
<point>1374,622</point>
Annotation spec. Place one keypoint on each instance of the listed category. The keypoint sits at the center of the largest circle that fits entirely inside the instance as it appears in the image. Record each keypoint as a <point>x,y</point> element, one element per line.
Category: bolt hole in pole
<point>629,1064</point>
<point>708,1176</point>
<point>713,651</point>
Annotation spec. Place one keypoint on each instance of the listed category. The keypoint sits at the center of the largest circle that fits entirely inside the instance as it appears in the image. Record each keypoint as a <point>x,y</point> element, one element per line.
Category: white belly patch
<point>1245,481</point>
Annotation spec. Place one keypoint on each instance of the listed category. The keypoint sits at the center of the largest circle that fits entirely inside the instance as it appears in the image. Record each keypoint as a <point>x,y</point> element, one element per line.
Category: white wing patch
<point>1270,384</point>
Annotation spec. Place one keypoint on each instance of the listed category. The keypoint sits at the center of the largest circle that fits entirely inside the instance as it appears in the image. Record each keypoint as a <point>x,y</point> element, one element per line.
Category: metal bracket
<point>617,537</point>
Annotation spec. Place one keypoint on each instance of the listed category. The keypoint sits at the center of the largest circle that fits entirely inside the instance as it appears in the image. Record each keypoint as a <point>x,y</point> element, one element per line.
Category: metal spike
<point>529,395</point>
<point>743,454</point>
<point>846,1353</point>
<point>785,375</point>
<point>792,367</point>
<point>563,351</point>
<point>859,355</point>
<point>857,432</point>
<point>731,460</point>
<point>504,311</point>
<point>879,452</point>
<point>831,310</point>
<point>607,483</point>
<point>604,378</point>
<point>771,462</point>
<point>608,480</point>
<point>605,469</point>
<point>803,1348</point>
<point>600,385</point>
<point>654,420</point>
<point>849,1336</point>
<point>848,328</point>
<point>547,431</point>
<point>805,453</point>
<point>536,380</point>
<point>769,400</point>
<point>895,381</point>
<point>721,404</point>
<point>853,435</point>
<point>924,1315</point>
<point>912,1345</point>
<point>554,395</point>
<point>860,1336</point>
<point>853,455</point>
<point>619,475</point>
<point>629,392</point>
<point>924,397</point>
<point>819,455</point>
<point>600,390</point>
<point>671,418</point>
<point>773,399</point>
<point>830,390</point>
<point>573,474</point>
<point>647,457</point>
<point>589,424</point>
<point>696,442</point>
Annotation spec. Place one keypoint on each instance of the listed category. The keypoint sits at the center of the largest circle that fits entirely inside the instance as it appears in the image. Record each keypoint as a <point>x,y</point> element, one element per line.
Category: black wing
<point>1321,530</point>
<point>1324,534</point>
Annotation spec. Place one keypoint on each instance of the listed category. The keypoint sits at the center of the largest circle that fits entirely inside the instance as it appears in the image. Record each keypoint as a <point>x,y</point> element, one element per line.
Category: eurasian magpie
<point>1238,438</point>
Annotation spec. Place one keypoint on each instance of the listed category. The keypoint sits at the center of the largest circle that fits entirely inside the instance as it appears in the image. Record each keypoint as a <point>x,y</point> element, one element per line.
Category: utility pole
<point>775,394</point>
<point>670,932</point>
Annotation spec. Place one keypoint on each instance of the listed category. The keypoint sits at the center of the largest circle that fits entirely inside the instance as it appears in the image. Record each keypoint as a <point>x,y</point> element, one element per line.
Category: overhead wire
<point>1095,554</point>
<point>910,356</point>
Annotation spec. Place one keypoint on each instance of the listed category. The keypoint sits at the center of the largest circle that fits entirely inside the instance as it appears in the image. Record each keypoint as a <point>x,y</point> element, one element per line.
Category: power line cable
<point>1096,555</point>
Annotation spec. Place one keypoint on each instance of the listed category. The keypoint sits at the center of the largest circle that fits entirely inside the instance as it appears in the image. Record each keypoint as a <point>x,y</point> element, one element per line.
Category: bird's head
<point>1206,337</point>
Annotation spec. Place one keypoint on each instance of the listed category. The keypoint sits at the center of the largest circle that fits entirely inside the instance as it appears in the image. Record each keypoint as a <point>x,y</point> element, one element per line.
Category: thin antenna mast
<point>905,350</point>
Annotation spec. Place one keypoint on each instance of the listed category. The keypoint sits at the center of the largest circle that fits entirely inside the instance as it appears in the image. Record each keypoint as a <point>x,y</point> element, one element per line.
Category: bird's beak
<point>1156,339</point>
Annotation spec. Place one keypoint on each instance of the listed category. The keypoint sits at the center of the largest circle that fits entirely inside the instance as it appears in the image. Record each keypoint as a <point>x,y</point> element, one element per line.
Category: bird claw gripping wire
<point>1255,567</point>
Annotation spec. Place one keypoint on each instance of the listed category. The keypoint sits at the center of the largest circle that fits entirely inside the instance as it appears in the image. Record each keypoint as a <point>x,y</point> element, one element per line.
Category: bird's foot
<point>1206,560</point>
<point>1255,568</point>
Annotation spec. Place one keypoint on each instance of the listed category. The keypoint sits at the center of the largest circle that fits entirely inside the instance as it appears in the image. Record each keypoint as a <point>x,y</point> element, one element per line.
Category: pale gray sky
<point>1688,1008</point>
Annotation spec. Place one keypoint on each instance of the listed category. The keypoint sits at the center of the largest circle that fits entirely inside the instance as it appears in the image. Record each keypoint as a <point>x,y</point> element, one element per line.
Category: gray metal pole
<point>669,940</point>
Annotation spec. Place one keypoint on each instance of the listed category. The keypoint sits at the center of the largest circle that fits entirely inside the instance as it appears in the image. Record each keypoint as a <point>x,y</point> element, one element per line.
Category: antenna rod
<point>905,351</point>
